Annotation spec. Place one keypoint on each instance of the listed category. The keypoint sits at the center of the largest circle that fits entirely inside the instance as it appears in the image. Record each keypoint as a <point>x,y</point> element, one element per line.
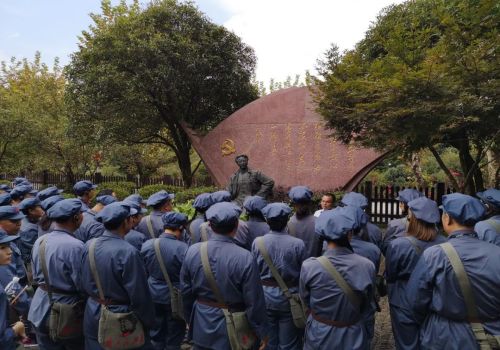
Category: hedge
<point>122,188</point>
<point>182,195</point>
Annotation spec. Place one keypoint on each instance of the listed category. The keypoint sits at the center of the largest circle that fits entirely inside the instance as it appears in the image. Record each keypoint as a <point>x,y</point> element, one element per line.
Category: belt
<point>43,287</point>
<point>332,323</point>
<point>271,282</point>
<point>238,307</point>
<point>107,302</point>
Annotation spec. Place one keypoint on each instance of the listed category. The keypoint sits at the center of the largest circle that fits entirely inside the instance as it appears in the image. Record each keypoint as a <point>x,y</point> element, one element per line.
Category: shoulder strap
<point>495,224</point>
<point>43,262</point>
<point>149,224</point>
<point>466,289</point>
<point>93,269</point>
<point>191,232</point>
<point>204,232</point>
<point>291,228</point>
<point>162,264</point>
<point>341,282</point>
<point>209,274</point>
<point>274,271</point>
<point>414,243</point>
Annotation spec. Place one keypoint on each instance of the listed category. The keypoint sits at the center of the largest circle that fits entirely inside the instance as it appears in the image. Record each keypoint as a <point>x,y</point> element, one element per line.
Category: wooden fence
<point>45,178</point>
<point>383,205</point>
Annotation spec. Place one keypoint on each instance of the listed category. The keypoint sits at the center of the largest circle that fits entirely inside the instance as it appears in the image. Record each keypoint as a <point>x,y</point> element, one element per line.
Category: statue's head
<point>242,161</point>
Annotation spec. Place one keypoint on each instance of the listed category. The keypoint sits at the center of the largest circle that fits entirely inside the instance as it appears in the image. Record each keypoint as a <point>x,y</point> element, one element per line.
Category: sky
<point>288,36</point>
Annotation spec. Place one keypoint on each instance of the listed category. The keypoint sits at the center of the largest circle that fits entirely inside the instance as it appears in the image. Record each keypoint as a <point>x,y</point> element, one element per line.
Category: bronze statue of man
<point>246,182</point>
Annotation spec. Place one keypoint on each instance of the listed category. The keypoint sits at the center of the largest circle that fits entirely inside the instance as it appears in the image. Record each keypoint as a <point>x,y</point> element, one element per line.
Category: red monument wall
<point>285,138</point>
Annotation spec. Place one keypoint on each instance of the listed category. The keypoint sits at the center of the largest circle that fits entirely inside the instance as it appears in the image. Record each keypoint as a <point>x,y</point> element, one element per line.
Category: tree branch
<point>444,167</point>
<point>196,167</point>
<point>481,153</point>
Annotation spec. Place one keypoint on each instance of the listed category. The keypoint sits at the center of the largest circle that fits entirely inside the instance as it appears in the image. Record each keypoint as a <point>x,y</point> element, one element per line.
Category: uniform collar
<point>60,230</point>
<point>337,251</point>
<point>281,233</point>
<point>463,233</point>
<point>157,213</point>
<point>91,212</point>
<point>111,234</point>
<point>221,238</point>
<point>168,235</point>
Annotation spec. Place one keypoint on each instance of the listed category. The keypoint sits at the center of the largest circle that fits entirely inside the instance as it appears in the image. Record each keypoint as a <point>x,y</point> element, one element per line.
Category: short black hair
<point>225,228</point>
<point>112,226</point>
<point>329,194</point>
<point>278,224</point>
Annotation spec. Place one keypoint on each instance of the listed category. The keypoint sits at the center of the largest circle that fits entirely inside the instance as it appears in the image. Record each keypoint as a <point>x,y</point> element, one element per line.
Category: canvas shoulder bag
<point>240,333</point>
<point>485,341</point>
<point>116,330</point>
<point>175,293</point>
<point>65,320</point>
<point>297,307</point>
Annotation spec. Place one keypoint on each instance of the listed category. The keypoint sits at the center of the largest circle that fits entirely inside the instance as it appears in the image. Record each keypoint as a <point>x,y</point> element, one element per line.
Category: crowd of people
<point>119,276</point>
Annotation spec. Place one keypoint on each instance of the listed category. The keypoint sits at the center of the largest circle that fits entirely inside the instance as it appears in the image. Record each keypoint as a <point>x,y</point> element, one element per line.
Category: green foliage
<point>185,208</point>
<point>190,193</point>
<point>140,73</point>
<point>147,191</point>
<point>424,77</point>
<point>34,120</point>
<point>5,182</point>
<point>182,195</point>
<point>122,189</point>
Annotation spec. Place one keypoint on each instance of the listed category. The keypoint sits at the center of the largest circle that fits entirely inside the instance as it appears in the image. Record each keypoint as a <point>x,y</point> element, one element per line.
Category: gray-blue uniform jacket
<point>63,254</point>
<point>173,252</point>
<point>255,227</point>
<point>327,301</point>
<point>304,229</point>
<point>395,228</point>
<point>90,227</point>
<point>7,336</point>
<point>136,239</point>
<point>28,234</point>
<point>374,233</point>
<point>237,276</point>
<point>401,257</point>
<point>194,228</point>
<point>487,232</point>
<point>287,254</point>
<point>156,223</point>
<point>436,300</point>
<point>370,251</point>
<point>123,279</point>
<point>240,237</point>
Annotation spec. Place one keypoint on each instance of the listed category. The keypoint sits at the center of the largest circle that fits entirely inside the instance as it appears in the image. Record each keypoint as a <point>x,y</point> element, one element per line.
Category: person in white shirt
<point>327,201</point>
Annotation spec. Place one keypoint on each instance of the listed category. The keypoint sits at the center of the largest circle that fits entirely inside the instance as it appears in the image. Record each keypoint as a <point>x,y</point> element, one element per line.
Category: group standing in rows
<point>287,277</point>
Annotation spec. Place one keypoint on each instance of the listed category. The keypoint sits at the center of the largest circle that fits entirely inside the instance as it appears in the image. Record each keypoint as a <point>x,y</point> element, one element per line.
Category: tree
<point>140,73</point>
<point>426,76</point>
<point>34,121</point>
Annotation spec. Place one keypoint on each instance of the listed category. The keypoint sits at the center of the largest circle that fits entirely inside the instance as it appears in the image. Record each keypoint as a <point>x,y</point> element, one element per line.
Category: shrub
<point>148,190</point>
<point>121,188</point>
<point>182,195</point>
<point>185,208</point>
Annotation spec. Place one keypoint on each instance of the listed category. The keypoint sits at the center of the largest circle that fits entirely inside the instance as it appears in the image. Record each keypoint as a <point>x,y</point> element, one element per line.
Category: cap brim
<point>133,211</point>
<point>171,196</point>
<point>18,216</point>
<point>60,191</point>
<point>8,239</point>
<point>94,187</point>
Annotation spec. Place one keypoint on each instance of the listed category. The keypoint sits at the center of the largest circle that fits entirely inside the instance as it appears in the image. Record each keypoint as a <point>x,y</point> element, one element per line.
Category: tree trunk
<point>473,182</point>
<point>70,175</point>
<point>182,149</point>
<point>417,170</point>
<point>493,167</point>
